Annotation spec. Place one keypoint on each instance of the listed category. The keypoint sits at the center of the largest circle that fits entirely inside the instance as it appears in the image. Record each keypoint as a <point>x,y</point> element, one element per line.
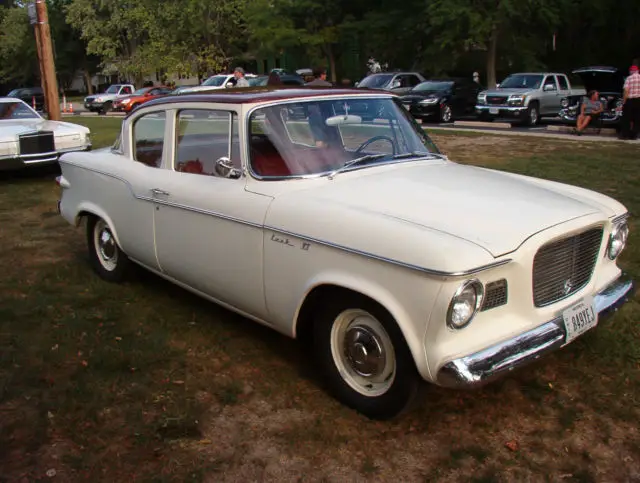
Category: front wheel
<point>364,358</point>
<point>446,113</point>
<point>533,115</point>
<point>105,255</point>
<point>105,108</point>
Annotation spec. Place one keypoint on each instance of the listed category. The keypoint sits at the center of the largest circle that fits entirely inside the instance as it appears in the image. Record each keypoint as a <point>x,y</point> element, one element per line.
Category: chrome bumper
<point>570,114</point>
<point>489,364</point>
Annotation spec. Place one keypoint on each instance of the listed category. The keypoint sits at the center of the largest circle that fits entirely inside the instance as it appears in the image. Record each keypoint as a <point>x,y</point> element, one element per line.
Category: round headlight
<point>465,303</point>
<point>564,102</point>
<point>617,240</point>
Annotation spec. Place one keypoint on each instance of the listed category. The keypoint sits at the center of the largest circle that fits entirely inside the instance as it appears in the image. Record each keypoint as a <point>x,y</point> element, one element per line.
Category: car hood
<point>10,130</point>
<point>496,211</point>
<point>602,79</point>
<point>507,92</point>
<point>418,96</point>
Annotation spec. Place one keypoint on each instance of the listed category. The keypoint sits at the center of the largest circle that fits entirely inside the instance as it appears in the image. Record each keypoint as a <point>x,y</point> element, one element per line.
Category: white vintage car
<point>360,238</point>
<point>27,139</point>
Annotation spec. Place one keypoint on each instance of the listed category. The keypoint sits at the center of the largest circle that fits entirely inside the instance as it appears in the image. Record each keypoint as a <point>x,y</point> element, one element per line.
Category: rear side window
<point>148,138</point>
<point>562,82</point>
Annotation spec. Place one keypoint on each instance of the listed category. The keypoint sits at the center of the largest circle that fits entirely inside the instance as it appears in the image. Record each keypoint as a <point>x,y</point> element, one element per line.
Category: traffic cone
<point>64,103</point>
<point>33,102</point>
<point>71,107</point>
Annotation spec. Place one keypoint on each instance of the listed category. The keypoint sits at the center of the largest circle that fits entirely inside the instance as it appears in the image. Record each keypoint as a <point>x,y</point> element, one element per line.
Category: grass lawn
<point>145,382</point>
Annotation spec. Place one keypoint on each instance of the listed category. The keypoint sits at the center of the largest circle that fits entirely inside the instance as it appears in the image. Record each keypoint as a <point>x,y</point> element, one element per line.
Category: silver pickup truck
<point>526,97</point>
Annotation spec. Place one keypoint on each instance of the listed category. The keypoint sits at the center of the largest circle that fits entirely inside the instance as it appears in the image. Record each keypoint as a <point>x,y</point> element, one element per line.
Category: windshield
<point>376,80</point>
<point>16,110</point>
<point>141,92</point>
<point>519,81</point>
<point>318,137</point>
<point>112,90</point>
<point>15,93</point>
<point>433,86</point>
<point>216,80</point>
<point>258,81</point>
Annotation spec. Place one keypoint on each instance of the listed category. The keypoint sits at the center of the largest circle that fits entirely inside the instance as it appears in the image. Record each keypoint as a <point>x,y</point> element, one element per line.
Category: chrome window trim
<point>354,251</point>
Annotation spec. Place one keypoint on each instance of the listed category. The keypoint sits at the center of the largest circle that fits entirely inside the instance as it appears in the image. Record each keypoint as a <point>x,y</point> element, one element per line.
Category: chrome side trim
<point>399,263</point>
<point>390,260</point>
<point>484,366</point>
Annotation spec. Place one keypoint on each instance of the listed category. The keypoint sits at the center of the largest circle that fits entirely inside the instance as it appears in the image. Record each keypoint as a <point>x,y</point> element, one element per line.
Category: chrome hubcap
<point>446,114</point>
<point>363,352</point>
<point>106,246</point>
<point>534,116</point>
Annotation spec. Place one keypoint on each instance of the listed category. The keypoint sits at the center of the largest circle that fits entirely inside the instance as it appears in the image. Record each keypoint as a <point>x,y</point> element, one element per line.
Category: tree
<point>493,26</point>
<point>18,58</point>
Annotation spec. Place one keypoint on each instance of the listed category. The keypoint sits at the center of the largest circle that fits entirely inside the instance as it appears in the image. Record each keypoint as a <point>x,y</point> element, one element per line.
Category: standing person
<point>320,74</point>
<point>238,73</point>
<point>631,104</point>
<point>274,79</point>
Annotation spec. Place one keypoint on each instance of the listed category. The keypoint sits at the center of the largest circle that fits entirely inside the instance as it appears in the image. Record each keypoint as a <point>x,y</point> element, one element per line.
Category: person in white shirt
<point>238,73</point>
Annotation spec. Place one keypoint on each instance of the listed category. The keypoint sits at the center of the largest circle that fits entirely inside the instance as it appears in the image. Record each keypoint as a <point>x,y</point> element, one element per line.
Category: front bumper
<point>570,115</point>
<point>424,110</point>
<point>512,112</point>
<point>93,106</point>
<point>493,362</point>
<point>10,163</point>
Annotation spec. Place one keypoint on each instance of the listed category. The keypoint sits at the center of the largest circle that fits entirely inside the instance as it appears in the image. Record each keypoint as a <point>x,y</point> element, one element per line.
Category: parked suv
<point>28,94</point>
<point>526,97</point>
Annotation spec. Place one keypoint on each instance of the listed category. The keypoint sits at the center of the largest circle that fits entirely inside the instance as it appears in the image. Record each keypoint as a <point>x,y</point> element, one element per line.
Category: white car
<point>27,139</point>
<point>218,81</point>
<point>360,238</point>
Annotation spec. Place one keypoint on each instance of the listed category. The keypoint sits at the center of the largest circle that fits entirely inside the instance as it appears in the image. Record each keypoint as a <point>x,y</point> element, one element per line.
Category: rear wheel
<point>105,255</point>
<point>364,358</point>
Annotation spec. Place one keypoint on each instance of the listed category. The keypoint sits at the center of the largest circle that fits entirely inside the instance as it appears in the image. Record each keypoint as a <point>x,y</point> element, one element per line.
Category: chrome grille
<point>495,294</point>
<point>37,142</point>
<point>496,100</point>
<point>563,267</point>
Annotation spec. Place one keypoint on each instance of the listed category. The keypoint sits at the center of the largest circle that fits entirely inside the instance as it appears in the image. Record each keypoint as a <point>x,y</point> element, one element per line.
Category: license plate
<point>580,318</point>
<point>494,110</point>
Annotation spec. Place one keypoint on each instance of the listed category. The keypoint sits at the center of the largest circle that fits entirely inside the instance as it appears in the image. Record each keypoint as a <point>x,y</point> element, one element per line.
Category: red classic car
<point>128,103</point>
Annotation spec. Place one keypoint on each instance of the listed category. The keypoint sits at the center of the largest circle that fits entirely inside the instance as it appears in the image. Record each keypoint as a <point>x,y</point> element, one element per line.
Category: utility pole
<point>40,21</point>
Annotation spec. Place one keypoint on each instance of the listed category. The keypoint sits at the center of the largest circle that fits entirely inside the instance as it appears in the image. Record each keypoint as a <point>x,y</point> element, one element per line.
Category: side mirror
<point>225,169</point>
<point>549,87</point>
<point>356,84</point>
<point>395,84</point>
<point>229,84</point>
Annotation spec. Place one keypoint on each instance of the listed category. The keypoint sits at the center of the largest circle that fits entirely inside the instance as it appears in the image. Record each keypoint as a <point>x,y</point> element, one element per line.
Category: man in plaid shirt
<point>631,107</point>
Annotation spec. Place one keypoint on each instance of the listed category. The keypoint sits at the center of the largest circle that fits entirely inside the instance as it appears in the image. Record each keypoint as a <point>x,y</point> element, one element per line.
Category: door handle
<point>157,191</point>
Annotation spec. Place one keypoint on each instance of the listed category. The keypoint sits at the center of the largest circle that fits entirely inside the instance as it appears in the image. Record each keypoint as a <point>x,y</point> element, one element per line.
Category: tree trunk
<point>332,64</point>
<point>491,59</point>
<point>87,81</point>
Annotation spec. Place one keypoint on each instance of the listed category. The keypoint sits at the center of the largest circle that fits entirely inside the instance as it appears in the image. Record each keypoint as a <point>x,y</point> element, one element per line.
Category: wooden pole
<point>47,65</point>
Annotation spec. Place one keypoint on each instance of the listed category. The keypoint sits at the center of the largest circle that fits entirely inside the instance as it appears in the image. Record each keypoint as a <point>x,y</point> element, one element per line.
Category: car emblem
<point>568,285</point>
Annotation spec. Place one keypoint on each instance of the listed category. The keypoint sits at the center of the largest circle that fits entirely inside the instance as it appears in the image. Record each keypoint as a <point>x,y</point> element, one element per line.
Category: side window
<point>413,80</point>
<point>562,82</point>
<point>550,81</point>
<point>148,138</point>
<point>203,137</point>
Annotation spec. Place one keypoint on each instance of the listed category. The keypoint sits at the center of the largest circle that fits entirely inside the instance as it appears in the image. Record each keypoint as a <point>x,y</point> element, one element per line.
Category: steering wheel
<point>374,139</point>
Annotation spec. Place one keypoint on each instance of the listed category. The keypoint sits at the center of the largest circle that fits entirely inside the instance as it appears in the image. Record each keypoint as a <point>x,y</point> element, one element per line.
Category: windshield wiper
<point>419,154</point>
<point>352,162</point>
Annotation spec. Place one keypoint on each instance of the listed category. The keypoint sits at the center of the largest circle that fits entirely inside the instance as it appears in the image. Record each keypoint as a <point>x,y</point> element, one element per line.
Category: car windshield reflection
<point>16,110</point>
<point>320,137</point>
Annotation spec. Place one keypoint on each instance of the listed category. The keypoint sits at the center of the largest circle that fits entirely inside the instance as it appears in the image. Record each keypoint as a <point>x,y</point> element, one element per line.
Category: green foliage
<point>18,59</point>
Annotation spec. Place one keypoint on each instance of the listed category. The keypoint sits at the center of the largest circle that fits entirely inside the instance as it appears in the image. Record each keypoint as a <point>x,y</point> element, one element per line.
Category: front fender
<point>411,318</point>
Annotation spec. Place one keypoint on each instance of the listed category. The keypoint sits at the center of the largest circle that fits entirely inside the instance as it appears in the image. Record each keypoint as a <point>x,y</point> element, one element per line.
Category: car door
<point>144,149</point>
<point>563,91</point>
<point>550,98</point>
<point>208,228</point>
